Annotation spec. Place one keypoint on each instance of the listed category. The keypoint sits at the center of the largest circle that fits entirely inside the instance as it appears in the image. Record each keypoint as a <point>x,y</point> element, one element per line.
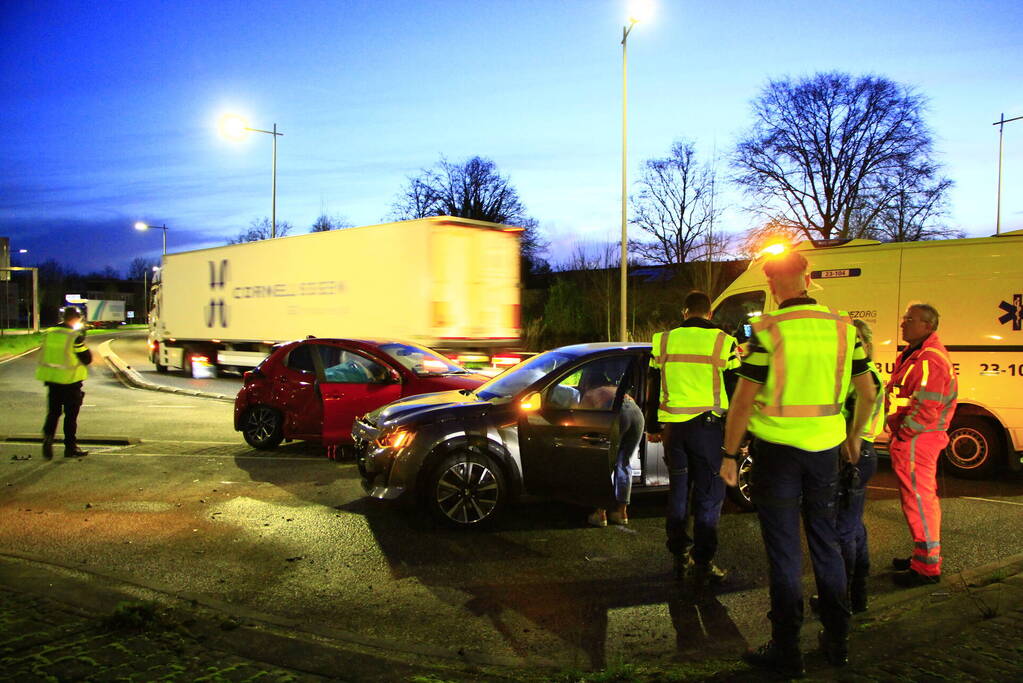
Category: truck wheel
<point>262,428</point>
<point>467,490</point>
<point>975,448</point>
<point>740,494</point>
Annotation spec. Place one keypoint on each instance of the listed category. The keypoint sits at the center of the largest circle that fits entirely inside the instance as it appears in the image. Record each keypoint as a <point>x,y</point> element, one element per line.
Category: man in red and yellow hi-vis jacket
<point>922,400</point>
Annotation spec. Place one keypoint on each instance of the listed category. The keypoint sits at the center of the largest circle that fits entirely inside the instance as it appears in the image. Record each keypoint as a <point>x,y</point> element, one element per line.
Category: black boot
<point>683,563</point>
<point>75,452</point>
<point>835,650</point>
<point>709,573</point>
<point>787,662</point>
<point>47,447</point>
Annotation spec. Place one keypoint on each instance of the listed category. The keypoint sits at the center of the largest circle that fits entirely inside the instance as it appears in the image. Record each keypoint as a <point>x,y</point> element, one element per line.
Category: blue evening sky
<point>109,109</point>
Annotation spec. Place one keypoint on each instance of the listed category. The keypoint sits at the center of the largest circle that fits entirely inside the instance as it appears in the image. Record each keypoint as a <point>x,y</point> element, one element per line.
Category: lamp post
<point>1001,125</point>
<point>638,9</point>
<point>234,127</point>
<point>146,226</point>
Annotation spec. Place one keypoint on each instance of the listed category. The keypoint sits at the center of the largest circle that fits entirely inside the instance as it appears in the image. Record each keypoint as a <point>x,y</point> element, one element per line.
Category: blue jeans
<point>631,423</point>
<point>693,452</point>
<point>852,534</point>
<point>788,483</point>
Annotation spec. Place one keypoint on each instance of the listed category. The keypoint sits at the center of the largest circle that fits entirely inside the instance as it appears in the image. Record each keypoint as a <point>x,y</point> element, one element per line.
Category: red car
<point>314,389</point>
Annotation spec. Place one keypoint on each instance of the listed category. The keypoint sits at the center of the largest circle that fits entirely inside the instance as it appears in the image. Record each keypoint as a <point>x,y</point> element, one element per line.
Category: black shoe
<point>900,564</point>
<point>835,651</point>
<point>75,453</point>
<point>48,448</point>
<point>683,565</point>
<point>708,573</point>
<point>911,579</point>
<point>785,662</point>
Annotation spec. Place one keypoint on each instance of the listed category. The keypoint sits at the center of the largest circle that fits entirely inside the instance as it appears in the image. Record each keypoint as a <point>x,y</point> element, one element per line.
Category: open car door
<point>352,385</point>
<point>567,445</point>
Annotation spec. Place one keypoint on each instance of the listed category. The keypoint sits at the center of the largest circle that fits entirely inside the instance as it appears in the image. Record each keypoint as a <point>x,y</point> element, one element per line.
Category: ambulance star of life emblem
<point>1013,312</point>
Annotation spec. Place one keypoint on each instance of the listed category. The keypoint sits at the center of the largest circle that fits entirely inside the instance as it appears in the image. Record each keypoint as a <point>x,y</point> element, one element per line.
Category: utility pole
<point>1001,126</point>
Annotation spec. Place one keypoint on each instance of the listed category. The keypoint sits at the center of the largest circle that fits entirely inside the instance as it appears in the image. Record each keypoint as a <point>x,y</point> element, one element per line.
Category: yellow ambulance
<point>977,287</point>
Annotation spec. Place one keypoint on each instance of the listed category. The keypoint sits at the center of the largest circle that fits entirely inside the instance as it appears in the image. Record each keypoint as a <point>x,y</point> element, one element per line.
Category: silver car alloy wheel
<point>467,492</point>
<point>262,423</point>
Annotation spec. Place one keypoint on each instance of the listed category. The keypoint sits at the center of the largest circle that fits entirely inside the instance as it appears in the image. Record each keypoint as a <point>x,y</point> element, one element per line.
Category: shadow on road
<point>465,569</point>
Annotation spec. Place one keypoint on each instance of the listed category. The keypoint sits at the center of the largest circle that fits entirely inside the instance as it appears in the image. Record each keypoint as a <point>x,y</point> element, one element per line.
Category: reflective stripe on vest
<point>57,360</point>
<point>673,381</point>
<point>801,403</point>
<point>875,425</point>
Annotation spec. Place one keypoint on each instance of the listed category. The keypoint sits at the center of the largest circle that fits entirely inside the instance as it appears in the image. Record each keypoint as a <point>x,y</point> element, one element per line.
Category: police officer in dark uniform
<point>793,383</point>
<point>63,357</point>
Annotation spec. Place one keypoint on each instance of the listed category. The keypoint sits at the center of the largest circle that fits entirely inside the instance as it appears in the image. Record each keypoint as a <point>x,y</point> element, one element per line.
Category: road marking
<point>162,405</point>
<point>991,500</point>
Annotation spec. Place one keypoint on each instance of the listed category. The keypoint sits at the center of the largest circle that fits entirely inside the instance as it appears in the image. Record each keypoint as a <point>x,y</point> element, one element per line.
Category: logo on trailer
<point>217,308</point>
<point>1013,312</point>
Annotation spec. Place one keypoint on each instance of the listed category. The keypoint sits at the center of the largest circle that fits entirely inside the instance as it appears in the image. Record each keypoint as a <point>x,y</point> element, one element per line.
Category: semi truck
<point>99,312</point>
<point>444,282</point>
<point>977,287</point>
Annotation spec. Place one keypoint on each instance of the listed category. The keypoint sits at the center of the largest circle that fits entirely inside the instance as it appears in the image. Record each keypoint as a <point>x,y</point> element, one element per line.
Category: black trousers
<point>66,399</point>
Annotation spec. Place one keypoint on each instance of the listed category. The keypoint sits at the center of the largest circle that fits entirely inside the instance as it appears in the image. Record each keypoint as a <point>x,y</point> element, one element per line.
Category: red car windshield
<point>421,361</point>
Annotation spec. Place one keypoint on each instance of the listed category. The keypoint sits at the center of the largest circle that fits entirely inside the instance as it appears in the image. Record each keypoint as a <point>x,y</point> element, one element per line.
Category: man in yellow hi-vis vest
<point>687,399</point>
<point>63,358</point>
<point>792,384</point>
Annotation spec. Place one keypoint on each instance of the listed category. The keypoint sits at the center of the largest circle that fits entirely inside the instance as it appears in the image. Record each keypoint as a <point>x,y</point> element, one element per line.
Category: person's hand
<point>654,437</point>
<point>851,449</point>
<point>730,471</point>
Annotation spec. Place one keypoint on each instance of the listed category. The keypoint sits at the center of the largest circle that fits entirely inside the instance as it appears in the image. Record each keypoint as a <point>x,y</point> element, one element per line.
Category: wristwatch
<point>730,456</point>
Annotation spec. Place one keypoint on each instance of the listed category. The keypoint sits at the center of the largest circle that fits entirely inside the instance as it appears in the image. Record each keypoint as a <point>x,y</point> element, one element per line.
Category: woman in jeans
<point>630,433</point>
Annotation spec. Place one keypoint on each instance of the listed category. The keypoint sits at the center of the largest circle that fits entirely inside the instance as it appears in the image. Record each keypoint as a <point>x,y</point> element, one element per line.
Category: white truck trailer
<point>448,283</point>
<point>99,312</point>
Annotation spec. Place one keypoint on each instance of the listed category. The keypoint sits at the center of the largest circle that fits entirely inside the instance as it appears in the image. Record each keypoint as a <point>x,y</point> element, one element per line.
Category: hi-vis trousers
<point>916,463</point>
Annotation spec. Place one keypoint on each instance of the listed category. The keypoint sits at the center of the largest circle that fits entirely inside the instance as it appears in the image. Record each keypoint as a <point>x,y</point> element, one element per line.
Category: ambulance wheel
<point>975,448</point>
<point>262,428</point>
<point>740,494</point>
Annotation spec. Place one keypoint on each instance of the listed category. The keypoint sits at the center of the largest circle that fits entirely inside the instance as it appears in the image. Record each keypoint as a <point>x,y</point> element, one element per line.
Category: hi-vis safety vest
<point>691,361</point>
<point>922,391</point>
<point>57,360</point>
<point>875,425</point>
<point>810,350</point>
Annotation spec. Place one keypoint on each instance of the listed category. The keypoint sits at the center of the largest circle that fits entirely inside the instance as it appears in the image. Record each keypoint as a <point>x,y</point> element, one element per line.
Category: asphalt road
<point>188,508</point>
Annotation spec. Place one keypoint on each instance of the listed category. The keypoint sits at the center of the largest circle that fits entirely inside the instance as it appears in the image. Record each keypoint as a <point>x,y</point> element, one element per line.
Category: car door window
<point>733,314</point>
<point>594,386</point>
<point>341,366</point>
<point>301,358</point>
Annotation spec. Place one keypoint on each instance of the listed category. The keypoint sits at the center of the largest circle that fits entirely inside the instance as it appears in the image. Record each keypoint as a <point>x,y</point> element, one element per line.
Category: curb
<point>130,377</point>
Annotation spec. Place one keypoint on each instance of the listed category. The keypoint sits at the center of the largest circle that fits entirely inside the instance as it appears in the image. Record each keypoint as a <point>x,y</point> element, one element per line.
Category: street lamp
<point>1001,125</point>
<point>234,127</point>
<point>638,9</point>
<point>146,226</point>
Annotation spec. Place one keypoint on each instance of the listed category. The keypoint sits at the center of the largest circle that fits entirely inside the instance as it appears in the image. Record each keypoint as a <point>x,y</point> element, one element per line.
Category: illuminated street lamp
<point>638,10</point>
<point>235,127</point>
<point>146,226</point>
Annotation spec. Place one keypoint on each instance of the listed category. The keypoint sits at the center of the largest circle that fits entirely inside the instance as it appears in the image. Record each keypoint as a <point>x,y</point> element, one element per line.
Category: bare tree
<point>141,268</point>
<point>324,223</point>
<point>260,229</point>
<point>825,152</point>
<point>915,211</point>
<point>674,206</point>
<point>473,189</point>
